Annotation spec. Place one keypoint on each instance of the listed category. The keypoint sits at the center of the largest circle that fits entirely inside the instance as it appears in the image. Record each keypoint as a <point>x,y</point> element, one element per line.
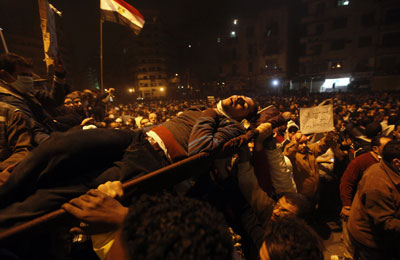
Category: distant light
<point>223,83</point>
<point>339,82</point>
<point>106,90</point>
<point>176,74</point>
<point>218,39</point>
<point>235,21</point>
<point>275,82</point>
<point>190,46</point>
<point>338,65</point>
<point>130,90</point>
<point>233,34</point>
<point>161,89</point>
<point>343,2</point>
<point>266,66</point>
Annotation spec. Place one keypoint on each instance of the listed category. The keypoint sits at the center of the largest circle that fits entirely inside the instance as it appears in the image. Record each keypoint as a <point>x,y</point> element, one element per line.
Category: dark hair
<point>302,203</point>
<point>169,227</point>
<point>393,119</point>
<point>373,129</point>
<point>10,61</point>
<point>391,151</point>
<point>291,238</point>
<point>376,141</point>
<point>293,129</point>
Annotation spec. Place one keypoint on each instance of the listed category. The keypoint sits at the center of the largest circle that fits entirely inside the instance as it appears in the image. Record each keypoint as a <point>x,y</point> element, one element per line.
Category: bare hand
<point>112,189</point>
<point>87,121</point>
<point>99,210</point>
<point>264,131</point>
<point>297,136</point>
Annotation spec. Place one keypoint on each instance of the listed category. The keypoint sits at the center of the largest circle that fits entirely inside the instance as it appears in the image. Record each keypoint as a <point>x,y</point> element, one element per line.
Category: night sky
<point>187,22</point>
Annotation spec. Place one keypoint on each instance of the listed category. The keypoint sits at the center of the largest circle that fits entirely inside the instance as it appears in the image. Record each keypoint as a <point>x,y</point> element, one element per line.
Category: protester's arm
<point>209,135</point>
<point>281,174</point>
<point>292,148</point>
<point>261,166</point>
<point>250,186</point>
<point>18,139</point>
<point>106,96</point>
<point>102,212</point>
<point>323,145</point>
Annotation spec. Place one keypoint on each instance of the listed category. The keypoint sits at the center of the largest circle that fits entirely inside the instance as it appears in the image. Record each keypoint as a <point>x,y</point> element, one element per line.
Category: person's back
<point>374,221</point>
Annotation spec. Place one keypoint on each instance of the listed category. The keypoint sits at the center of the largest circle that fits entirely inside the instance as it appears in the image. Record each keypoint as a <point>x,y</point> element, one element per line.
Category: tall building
<point>256,54</point>
<point>151,75</point>
<point>347,42</point>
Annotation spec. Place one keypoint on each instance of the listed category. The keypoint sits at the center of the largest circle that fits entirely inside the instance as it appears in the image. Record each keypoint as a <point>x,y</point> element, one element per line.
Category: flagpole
<point>3,40</point>
<point>101,56</point>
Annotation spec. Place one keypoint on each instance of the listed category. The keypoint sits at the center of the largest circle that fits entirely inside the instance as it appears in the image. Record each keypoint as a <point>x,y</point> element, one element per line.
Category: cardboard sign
<point>316,119</point>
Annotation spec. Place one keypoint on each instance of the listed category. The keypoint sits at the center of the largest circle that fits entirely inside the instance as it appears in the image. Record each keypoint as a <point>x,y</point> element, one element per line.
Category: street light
<point>275,82</point>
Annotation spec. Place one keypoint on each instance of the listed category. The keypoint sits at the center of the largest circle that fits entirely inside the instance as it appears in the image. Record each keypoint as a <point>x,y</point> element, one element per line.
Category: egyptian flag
<point>118,11</point>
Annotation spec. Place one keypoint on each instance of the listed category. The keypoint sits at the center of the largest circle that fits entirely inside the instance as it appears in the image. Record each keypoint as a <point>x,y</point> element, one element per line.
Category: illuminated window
<point>343,2</point>
<point>336,65</point>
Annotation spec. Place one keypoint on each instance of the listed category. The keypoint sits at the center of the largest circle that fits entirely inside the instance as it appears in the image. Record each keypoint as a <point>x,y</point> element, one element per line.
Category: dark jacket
<point>35,107</point>
<point>375,213</point>
<point>15,138</point>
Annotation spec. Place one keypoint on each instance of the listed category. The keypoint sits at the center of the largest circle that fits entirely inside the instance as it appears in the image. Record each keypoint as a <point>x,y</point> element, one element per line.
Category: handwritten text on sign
<point>316,119</point>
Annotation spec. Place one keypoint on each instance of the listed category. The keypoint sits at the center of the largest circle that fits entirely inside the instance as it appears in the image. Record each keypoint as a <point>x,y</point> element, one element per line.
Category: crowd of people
<point>262,192</point>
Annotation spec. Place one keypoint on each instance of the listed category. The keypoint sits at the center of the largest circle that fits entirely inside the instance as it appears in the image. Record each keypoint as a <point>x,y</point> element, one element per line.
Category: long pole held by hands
<point>3,40</point>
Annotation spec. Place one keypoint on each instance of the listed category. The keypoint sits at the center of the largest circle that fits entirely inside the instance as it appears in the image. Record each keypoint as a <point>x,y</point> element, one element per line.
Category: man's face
<point>283,208</point>
<point>238,107</point>
<point>144,122</point>
<point>77,102</point>
<point>153,118</point>
<point>68,103</point>
<point>303,146</point>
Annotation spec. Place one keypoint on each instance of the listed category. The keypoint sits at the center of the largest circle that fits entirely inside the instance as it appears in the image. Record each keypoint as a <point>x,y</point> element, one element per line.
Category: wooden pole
<point>3,40</point>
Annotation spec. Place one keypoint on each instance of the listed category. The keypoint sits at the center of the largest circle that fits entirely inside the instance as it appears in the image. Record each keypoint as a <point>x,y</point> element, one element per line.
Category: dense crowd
<point>261,193</point>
